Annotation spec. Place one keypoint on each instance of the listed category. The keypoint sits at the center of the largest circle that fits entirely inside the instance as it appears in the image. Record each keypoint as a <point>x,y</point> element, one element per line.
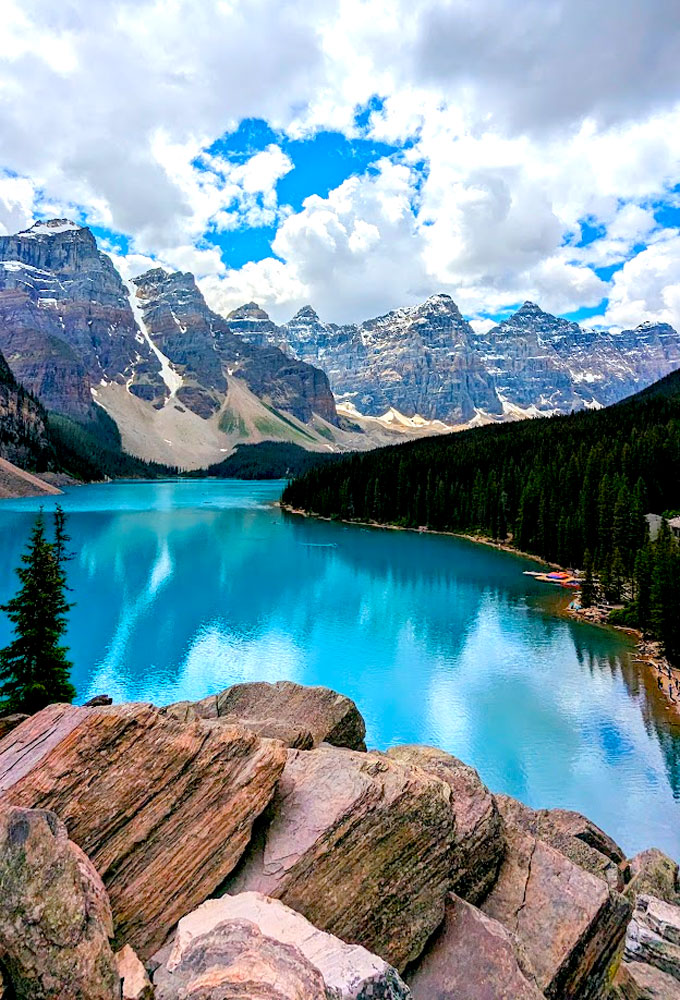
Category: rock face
<point>206,353</point>
<point>55,918</point>
<point>359,844</point>
<point>289,709</point>
<point>570,923</point>
<point>473,957</point>
<point>10,722</point>
<point>653,935</point>
<point>24,439</point>
<point>66,321</point>
<point>479,837</point>
<point>635,981</point>
<point>166,811</point>
<point>572,834</point>
<point>348,972</point>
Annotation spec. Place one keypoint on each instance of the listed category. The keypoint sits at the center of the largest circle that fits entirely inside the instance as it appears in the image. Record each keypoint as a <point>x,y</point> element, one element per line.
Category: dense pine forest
<point>573,490</point>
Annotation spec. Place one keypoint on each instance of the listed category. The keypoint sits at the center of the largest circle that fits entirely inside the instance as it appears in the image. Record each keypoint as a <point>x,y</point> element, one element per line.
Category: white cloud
<point>648,286</point>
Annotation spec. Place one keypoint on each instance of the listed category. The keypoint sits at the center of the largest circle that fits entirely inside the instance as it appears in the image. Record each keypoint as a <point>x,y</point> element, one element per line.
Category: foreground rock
<point>653,873</point>
<point>654,935</point>
<point>473,957</point>
<point>207,937</point>
<point>55,918</point>
<point>571,834</point>
<point>361,845</point>
<point>479,838</point>
<point>329,717</point>
<point>571,924</point>
<point>165,813</point>
<point>635,981</point>
<point>134,981</point>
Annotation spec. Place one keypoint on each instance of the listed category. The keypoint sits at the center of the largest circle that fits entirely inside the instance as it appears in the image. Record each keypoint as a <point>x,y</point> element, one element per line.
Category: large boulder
<point>55,918</point>
<point>163,809</point>
<point>653,873</point>
<point>243,964</point>
<point>329,717</point>
<point>472,957</point>
<point>480,840</point>
<point>570,922</point>
<point>361,845</point>
<point>572,834</point>
<point>636,981</point>
<point>291,734</point>
<point>349,972</point>
<point>653,935</point>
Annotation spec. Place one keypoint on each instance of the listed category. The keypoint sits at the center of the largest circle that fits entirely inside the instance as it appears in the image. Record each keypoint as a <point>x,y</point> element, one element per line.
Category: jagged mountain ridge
<point>427,360</point>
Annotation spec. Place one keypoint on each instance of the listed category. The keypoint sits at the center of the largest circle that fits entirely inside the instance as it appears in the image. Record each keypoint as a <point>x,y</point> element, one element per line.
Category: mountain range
<point>150,366</point>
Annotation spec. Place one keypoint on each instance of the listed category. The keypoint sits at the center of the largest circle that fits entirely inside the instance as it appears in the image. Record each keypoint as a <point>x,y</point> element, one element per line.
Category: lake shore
<point>649,652</point>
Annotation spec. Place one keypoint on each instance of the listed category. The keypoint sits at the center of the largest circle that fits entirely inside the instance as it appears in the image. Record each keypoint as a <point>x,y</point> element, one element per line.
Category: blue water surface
<point>184,587</point>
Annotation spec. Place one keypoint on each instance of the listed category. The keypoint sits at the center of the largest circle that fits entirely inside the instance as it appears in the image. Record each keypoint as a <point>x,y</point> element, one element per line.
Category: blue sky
<point>359,155</point>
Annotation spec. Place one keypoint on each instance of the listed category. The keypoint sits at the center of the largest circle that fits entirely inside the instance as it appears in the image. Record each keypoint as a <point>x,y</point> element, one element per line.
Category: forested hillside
<point>572,489</point>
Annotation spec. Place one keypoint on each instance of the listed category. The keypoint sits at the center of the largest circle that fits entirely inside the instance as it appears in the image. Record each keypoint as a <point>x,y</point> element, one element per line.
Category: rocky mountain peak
<point>53,227</point>
<point>307,315</point>
<point>250,311</point>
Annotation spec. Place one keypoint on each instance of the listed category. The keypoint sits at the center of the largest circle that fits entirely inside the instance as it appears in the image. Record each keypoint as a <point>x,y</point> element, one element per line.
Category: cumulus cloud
<point>523,125</point>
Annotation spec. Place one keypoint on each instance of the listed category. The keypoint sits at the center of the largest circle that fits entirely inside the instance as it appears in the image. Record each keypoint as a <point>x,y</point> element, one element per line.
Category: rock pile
<point>247,846</point>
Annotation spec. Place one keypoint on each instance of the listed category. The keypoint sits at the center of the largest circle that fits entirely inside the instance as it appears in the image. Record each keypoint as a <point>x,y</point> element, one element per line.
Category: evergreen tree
<point>588,585</point>
<point>34,670</point>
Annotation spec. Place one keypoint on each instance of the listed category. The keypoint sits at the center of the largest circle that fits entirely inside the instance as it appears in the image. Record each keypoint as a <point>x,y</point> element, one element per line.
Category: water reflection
<point>182,588</point>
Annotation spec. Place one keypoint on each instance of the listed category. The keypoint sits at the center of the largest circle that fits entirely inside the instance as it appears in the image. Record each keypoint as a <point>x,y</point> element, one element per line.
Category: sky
<point>358,155</point>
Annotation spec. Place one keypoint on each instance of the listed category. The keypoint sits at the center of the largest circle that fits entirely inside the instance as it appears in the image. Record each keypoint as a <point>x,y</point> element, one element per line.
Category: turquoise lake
<point>185,587</point>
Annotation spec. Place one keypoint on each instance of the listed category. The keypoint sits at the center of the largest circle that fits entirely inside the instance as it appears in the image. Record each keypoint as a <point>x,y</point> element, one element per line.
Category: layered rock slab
<point>163,809</point>
<point>653,935</point>
<point>472,957</point>
<point>479,837</point>
<point>328,716</point>
<point>359,844</point>
<point>349,972</point>
<point>55,918</point>
<point>636,981</point>
<point>570,922</point>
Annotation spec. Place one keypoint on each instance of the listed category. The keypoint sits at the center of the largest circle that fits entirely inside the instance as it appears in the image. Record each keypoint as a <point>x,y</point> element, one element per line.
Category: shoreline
<point>648,651</point>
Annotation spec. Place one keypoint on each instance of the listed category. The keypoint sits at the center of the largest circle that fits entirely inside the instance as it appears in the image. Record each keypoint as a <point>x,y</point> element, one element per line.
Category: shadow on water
<point>183,588</point>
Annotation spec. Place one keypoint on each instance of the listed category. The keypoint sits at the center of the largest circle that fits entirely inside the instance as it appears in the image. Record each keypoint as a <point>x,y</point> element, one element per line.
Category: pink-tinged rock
<point>349,972</point>
<point>570,922</point>
<point>55,918</point>
<point>328,716</point>
<point>480,840</point>
<point>635,981</point>
<point>472,957</point>
<point>135,983</point>
<point>653,873</point>
<point>571,834</point>
<point>163,809</point>
<point>653,935</point>
<point>359,844</point>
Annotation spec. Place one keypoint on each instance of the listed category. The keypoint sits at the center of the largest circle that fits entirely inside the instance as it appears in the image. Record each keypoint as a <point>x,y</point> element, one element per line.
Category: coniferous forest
<point>573,490</point>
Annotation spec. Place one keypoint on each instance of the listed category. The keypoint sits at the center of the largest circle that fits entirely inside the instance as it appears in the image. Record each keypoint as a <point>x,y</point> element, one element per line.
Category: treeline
<point>267,460</point>
<point>560,488</point>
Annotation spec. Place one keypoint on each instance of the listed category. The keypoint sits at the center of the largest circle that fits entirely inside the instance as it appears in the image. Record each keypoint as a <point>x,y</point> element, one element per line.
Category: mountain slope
<point>24,437</point>
<point>560,487</point>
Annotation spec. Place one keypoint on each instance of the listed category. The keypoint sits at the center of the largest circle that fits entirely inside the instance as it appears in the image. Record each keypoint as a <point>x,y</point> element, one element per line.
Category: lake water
<point>183,588</point>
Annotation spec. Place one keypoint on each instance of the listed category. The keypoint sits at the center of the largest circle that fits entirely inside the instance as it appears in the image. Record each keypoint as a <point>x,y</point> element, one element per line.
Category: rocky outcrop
<point>479,836</point>
<point>348,972</point>
<point>572,834</point>
<point>653,873</point>
<point>289,711</point>
<point>10,722</point>
<point>55,918</point>
<point>359,844</point>
<point>653,935</point>
<point>571,924</point>
<point>165,813</point>
<point>473,957</point>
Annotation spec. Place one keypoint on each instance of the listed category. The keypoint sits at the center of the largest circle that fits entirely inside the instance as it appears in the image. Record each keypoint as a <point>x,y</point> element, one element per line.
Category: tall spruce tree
<point>34,669</point>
